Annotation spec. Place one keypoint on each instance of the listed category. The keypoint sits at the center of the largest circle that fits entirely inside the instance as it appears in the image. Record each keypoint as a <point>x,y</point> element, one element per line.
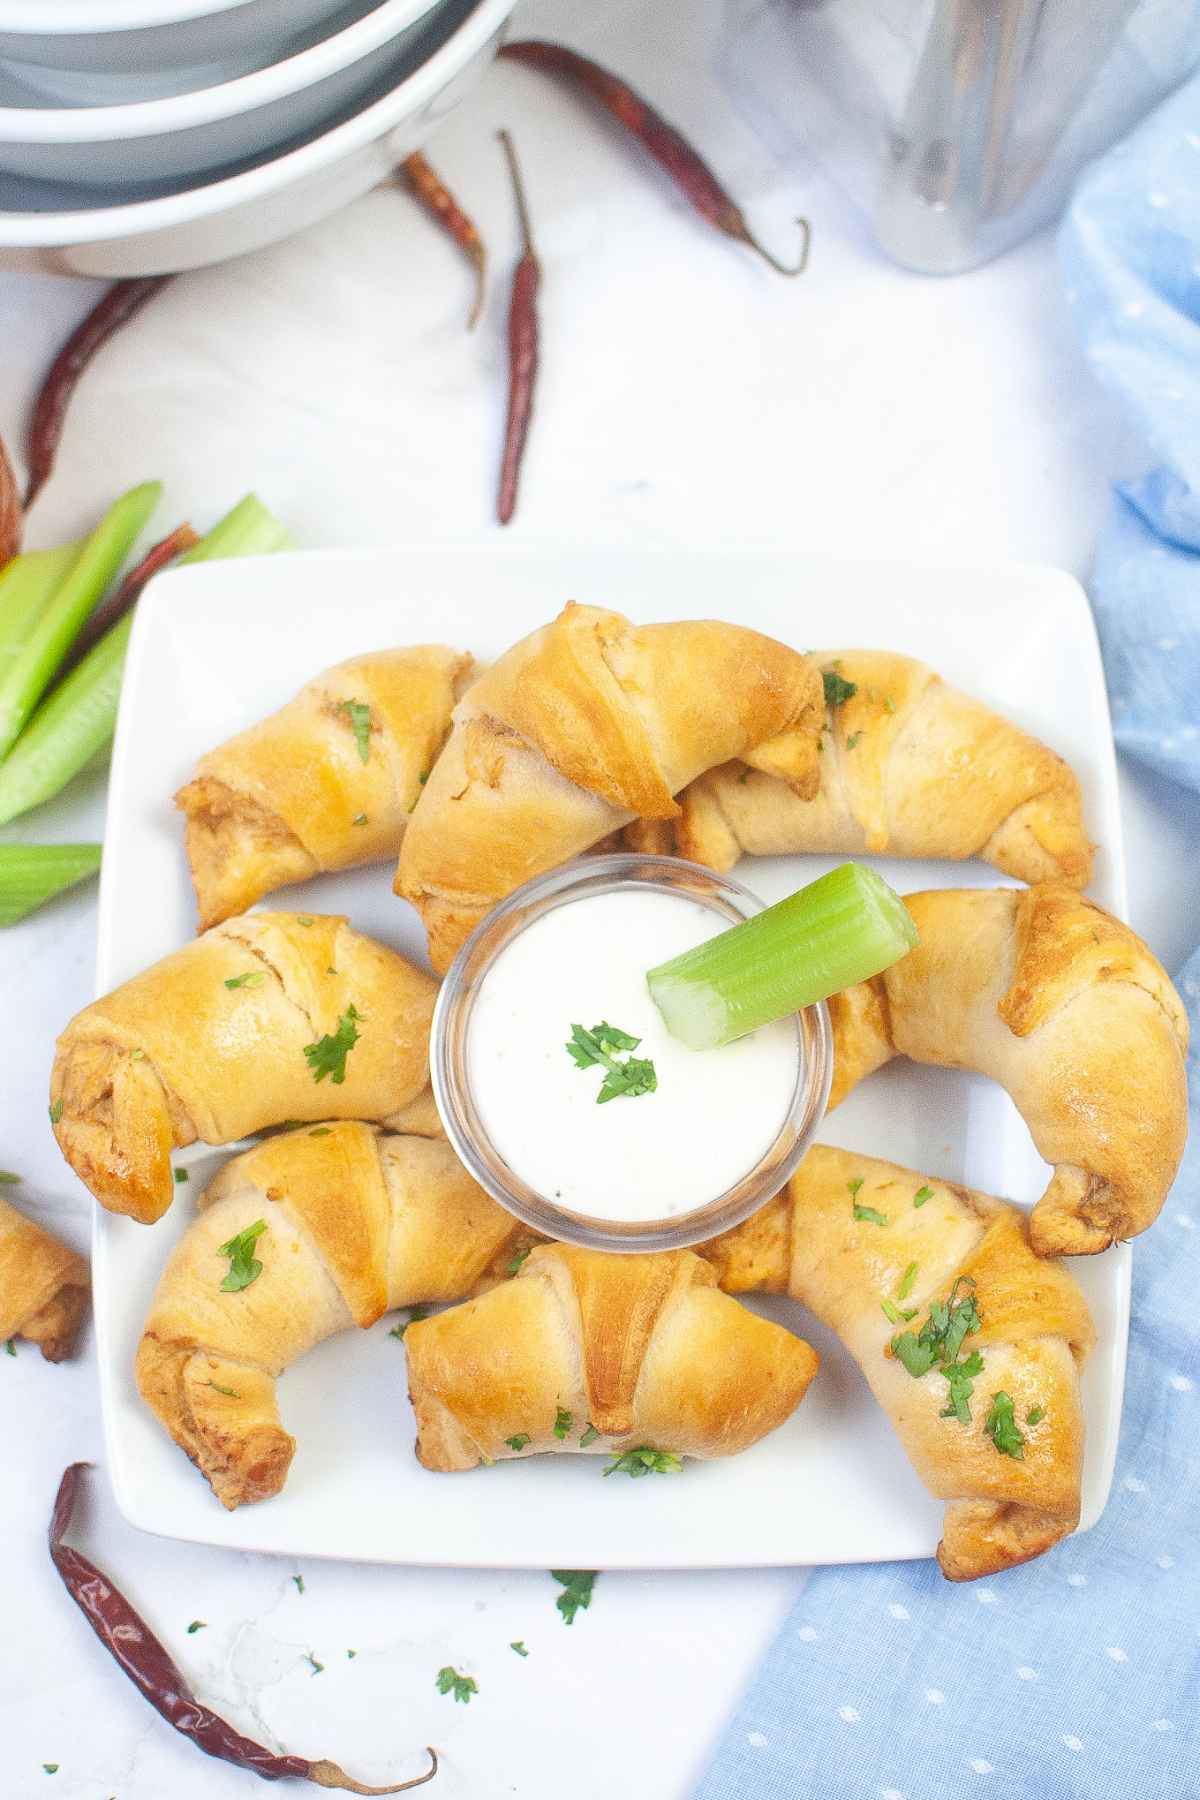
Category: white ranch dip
<point>655,1155</point>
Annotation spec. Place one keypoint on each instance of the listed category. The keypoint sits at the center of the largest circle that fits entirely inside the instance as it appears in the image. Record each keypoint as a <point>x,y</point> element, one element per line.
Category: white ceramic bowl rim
<point>83,16</point>
<point>180,112</point>
<point>34,230</point>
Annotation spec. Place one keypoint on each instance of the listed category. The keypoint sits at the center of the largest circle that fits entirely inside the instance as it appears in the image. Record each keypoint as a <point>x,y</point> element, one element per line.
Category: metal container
<point>957,125</point>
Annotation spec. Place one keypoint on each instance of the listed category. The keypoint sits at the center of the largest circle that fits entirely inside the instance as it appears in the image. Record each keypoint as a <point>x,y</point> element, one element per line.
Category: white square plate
<point>216,646</point>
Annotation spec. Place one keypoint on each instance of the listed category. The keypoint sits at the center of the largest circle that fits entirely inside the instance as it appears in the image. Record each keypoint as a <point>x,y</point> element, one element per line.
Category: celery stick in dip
<point>656,1145</point>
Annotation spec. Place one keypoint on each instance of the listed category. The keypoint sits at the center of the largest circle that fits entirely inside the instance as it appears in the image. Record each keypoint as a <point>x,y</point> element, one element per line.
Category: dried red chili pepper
<point>427,186</point>
<point>522,346</point>
<point>670,149</point>
<point>117,307</point>
<point>12,517</point>
<point>148,1664</point>
<point>128,594</point>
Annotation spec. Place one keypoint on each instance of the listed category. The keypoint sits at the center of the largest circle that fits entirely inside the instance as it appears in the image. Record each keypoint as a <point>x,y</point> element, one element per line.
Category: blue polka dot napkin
<point>1077,1677</point>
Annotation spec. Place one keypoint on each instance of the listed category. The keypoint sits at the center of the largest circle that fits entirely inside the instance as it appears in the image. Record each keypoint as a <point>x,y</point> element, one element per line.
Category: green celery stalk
<point>844,928</point>
<point>249,530</point>
<point>76,721</point>
<point>52,634</point>
<point>31,874</point>
<point>27,585</point>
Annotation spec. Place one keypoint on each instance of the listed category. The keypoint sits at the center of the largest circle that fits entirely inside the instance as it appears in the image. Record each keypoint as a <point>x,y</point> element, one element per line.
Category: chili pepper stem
<point>782,268</point>
<point>514,169</point>
<point>328,1775</point>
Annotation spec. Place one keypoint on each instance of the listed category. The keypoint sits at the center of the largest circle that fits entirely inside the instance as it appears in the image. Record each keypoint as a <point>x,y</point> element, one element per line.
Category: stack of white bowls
<point>138,137</point>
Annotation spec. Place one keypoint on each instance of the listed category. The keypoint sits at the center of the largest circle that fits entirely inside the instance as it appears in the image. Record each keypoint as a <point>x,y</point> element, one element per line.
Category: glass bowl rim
<point>480,1157</point>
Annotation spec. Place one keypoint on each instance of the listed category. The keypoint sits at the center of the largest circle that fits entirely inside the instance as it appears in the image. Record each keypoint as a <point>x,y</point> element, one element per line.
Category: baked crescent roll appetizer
<point>327,782</point>
<point>605,1354</point>
<point>269,1017</point>
<point>970,1343</point>
<point>1067,1008</point>
<point>43,1286</point>
<point>580,728</point>
<point>306,1235</point>
<point>910,767</point>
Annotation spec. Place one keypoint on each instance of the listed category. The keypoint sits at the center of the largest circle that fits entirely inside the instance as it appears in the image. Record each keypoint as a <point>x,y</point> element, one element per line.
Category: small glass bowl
<point>455,1102</point>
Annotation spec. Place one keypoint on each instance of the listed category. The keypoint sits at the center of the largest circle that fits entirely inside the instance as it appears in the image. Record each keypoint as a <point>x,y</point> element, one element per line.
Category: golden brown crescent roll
<point>1067,1008</point>
<point>581,727</point>
<point>327,782</point>
<point>268,1017</point>
<point>356,1223</point>
<point>43,1286</point>
<point>633,1351</point>
<point>910,767</point>
<point>1009,1474</point>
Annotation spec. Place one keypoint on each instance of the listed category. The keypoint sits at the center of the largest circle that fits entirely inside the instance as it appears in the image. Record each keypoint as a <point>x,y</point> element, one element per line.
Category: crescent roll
<point>1067,1008</point>
<point>580,728</point>
<point>327,782</point>
<point>872,1249</point>
<point>587,1351</point>
<point>910,767</point>
<point>268,1017</point>
<point>357,1223</point>
<point>43,1286</point>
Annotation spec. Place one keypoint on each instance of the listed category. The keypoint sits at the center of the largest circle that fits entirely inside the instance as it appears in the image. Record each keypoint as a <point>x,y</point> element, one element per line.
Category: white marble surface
<point>688,397</point>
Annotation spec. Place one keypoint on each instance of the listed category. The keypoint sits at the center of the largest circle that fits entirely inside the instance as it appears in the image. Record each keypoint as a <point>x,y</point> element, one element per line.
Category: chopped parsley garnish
<point>837,691</point>
<point>56,1112</point>
<point>1035,1415</point>
<point>889,705</point>
<point>50,1768</point>
<point>645,1461</point>
<point>867,1215</point>
<point>318,1668</point>
<point>906,1282</point>
<point>518,1440</point>
<point>352,1654</point>
<point>854,1186</point>
<point>577,1595</point>
<point>562,1423</point>
<point>303,919</point>
<point>518,1258</point>
<point>938,1343</point>
<point>415,1315</point>
<point>518,1644</point>
<point>602,1044</point>
<point>8,1179</point>
<point>359,819</point>
<point>244,1266</point>
<point>899,1315</point>
<point>853,739</point>
<point>961,1377</point>
<point>358,716</point>
<point>589,1436</point>
<point>10,1349</point>
<point>252,979</point>
<point>328,1055</point>
<point>449,1681</point>
<point>422,779</point>
<point>197,1625</point>
<point>181,1175</point>
<point>922,1195</point>
<point>320,1131</point>
<point>299,1581</point>
<point>229,1393</point>
<point>1003,1429</point>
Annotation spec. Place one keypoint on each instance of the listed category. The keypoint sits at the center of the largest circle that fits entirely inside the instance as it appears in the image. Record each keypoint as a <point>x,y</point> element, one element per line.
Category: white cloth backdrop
<point>688,397</point>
